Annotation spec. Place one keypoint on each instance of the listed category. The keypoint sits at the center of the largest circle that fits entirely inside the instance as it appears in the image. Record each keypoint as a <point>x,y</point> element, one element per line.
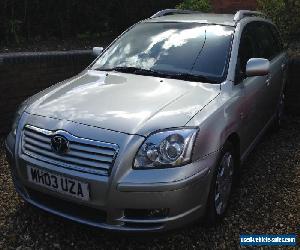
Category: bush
<point>286,15</point>
<point>199,5</point>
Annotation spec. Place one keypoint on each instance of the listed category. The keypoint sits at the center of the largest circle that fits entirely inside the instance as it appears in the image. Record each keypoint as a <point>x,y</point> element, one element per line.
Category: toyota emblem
<point>59,144</point>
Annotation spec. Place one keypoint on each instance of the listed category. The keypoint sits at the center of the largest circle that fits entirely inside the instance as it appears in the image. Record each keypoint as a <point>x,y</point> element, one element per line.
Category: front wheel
<point>221,186</point>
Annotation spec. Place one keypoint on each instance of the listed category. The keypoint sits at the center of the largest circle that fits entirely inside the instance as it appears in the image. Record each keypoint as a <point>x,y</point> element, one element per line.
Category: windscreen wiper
<point>120,69</point>
<point>150,72</point>
<point>193,78</point>
<point>134,70</point>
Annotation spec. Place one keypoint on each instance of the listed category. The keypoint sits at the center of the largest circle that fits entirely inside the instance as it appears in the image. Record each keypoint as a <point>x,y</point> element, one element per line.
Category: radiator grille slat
<point>92,150</point>
<point>36,136</point>
<point>84,155</point>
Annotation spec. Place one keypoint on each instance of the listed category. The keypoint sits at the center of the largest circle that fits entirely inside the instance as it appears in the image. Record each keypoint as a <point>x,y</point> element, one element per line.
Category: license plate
<point>58,183</point>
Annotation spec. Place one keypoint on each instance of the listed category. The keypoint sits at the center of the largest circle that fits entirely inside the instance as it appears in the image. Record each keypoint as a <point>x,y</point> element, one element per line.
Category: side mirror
<point>97,51</point>
<point>258,67</point>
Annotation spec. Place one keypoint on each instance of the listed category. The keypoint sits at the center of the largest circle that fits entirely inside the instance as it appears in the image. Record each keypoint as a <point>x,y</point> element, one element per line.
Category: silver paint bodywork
<point>97,51</point>
<point>124,109</point>
<point>257,67</point>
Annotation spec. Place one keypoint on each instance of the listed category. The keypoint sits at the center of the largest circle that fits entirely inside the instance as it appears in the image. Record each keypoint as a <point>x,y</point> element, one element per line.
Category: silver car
<point>151,135</point>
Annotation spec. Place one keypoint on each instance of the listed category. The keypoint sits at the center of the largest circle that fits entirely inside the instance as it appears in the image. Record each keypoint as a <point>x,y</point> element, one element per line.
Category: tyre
<point>221,186</point>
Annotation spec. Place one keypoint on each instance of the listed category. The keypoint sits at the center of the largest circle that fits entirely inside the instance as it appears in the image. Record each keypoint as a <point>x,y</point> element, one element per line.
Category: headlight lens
<point>15,123</point>
<point>17,116</point>
<point>166,149</point>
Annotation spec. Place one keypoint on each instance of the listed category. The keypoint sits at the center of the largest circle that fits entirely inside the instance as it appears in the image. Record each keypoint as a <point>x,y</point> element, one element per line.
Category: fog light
<point>158,213</point>
<point>146,213</point>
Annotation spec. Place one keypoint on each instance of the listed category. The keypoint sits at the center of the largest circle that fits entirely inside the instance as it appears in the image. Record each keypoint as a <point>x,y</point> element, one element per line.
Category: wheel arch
<point>234,139</point>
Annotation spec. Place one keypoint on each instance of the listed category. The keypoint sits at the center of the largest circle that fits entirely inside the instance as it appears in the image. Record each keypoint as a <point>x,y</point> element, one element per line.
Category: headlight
<point>166,149</point>
<point>17,116</point>
<point>15,123</point>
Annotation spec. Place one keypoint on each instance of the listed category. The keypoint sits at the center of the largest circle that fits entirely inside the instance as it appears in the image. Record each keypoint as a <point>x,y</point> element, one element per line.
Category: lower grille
<point>146,214</point>
<point>84,155</point>
<point>69,208</point>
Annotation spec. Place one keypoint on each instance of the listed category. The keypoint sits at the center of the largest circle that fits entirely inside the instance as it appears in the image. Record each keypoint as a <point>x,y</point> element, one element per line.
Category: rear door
<point>279,63</point>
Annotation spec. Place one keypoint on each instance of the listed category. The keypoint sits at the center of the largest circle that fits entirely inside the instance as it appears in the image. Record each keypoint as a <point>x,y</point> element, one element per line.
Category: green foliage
<point>13,27</point>
<point>198,5</point>
<point>285,13</point>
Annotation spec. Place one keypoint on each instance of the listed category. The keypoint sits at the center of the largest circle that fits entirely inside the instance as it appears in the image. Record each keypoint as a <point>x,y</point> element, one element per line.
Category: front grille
<point>84,155</point>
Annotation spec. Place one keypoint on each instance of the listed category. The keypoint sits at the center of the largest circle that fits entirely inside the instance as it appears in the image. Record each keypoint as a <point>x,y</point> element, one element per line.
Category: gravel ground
<point>266,201</point>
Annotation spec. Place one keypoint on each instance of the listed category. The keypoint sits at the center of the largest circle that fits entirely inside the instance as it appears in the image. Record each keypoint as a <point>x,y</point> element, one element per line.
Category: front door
<point>254,103</point>
<point>269,47</point>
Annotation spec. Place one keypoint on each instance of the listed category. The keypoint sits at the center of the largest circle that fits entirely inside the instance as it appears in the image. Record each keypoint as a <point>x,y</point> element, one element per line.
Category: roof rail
<point>167,12</point>
<point>247,13</point>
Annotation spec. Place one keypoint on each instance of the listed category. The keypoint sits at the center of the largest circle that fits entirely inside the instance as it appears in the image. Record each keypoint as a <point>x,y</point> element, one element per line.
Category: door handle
<point>268,81</point>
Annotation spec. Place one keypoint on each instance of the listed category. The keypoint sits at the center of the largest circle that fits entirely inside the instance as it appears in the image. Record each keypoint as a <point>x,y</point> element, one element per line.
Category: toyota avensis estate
<point>151,135</point>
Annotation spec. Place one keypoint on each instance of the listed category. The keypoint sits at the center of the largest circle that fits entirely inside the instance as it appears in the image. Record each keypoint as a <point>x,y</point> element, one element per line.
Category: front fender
<point>217,121</point>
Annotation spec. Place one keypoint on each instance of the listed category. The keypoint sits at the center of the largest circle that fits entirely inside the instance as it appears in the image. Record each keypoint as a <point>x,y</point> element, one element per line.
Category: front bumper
<point>130,200</point>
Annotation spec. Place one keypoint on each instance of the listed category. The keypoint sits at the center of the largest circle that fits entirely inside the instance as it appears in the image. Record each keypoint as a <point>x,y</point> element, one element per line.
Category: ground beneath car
<point>266,202</point>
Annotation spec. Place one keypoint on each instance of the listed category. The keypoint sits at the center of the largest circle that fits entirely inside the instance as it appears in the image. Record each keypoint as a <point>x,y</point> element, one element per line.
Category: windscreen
<point>172,48</point>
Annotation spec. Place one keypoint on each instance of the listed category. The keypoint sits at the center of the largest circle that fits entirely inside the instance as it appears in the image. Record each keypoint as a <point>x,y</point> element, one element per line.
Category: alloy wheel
<point>224,183</point>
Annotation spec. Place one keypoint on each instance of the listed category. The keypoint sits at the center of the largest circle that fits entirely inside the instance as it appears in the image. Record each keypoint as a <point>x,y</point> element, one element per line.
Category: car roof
<point>176,15</point>
<point>220,19</point>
